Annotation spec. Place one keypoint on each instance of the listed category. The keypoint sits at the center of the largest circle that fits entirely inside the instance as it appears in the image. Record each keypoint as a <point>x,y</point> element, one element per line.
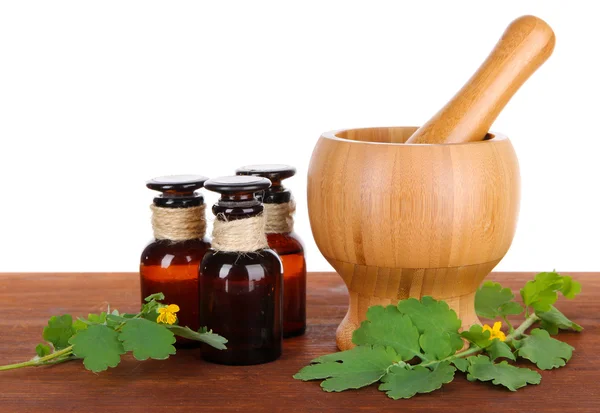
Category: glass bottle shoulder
<point>158,252</point>
<point>286,243</point>
<point>252,265</point>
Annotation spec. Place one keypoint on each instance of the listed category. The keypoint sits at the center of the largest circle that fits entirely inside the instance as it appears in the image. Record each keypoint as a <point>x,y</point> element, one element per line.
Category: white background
<point>98,97</point>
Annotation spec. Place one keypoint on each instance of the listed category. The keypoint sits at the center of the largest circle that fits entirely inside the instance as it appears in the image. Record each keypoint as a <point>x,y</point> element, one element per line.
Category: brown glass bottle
<point>286,244</point>
<point>240,289</point>
<point>170,264</point>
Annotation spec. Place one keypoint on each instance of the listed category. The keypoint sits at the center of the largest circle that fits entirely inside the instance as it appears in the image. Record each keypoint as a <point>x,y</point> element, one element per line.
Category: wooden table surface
<point>185,383</point>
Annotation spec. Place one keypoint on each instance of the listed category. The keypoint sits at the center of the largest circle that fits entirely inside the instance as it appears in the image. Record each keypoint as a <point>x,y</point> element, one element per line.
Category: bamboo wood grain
<point>525,45</point>
<point>184,383</point>
<point>398,221</point>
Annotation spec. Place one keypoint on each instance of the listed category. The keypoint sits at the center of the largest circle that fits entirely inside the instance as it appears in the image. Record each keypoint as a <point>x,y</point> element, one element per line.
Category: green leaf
<point>150,314</point>
<point>499,349</point>
<point>512,308</point>
<point>491,301</point>
<point>155,297</point>
<point>114,320</point>
<point>79,325</point>
<point>546,352</point>
<point>82,323</point>
<point>389,328</point>
<point>351,369</point>
<point>42,350</point>
<point>481,368</point>
<point>59,331</point>
<point>99,347</point>
<point>541,292</point>
<point>203,335</point>
<point>403,382</point>
<point>477,336</point>
<point>570,288</point>
<point>461,364</point>
<point>152,303</point>
<point>554,320</point>
<point>147,339</point>
<point>97,318</point>
<point>437,324</point>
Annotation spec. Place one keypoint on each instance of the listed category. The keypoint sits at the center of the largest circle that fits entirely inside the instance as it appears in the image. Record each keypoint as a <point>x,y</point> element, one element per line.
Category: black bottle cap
<point>276,194</point>
<point>274,172</point>
<point>238,195</point>
<point>237,185</point>
<point>178,190</point>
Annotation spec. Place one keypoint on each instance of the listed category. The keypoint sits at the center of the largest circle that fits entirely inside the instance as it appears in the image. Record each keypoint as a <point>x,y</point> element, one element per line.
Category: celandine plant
<point>101,339</point>
<point>415,346</point>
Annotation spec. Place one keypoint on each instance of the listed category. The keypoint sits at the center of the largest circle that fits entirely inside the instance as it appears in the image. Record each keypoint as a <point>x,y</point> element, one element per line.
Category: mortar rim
<point>496,138</point>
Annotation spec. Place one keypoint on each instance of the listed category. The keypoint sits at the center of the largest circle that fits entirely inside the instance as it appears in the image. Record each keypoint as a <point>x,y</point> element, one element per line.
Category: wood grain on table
<point>185,383</point>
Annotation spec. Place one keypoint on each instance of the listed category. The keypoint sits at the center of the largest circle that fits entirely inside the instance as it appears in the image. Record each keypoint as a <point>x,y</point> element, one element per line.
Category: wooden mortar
<point>406,212</point>
<point>399,221</point>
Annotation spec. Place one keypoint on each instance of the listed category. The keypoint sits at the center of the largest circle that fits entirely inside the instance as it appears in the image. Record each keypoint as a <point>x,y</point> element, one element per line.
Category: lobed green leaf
<point>570,287</point>
<point>203,334</point>
<point>477,336</point>
<point>541,293</point>
<point>42,350</point>
<point>554,320</point>
<point>499,349</point>
<point>350,369</point>
<point>402,382</point>
<point>147,339</point>
<point>98,346</point>
<point>461,363</point>
<point>387,327</point>
<point>59,330</point>
<point>437,324</point>
<point>155,297</point>
<point>481,368</point>
<point>546,352</point>
<point>492,301</point>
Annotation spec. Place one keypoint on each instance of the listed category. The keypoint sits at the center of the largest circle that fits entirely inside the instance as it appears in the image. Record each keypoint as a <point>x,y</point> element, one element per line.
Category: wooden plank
<point>185,383</point>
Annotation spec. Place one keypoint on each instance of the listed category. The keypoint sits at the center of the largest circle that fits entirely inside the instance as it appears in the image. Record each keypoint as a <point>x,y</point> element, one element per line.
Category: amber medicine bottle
<point>279,227</point>
<point>169,264</point>
<point>240,283</point>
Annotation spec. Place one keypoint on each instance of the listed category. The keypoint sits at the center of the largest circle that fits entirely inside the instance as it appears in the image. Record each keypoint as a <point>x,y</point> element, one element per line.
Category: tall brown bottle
<point>279,207</point>
<point>240,284</point>
<point>169,264</point>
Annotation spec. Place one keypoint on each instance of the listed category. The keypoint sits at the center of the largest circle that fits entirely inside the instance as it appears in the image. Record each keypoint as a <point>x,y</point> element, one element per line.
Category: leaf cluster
<point>416,346</point>
<point>101,339</point>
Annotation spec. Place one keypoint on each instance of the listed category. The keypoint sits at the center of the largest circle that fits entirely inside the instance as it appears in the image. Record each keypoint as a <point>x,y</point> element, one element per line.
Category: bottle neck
<point>229,211</point>
<point>178,224</point>
<point>275,195</point>
<point>179,200</point>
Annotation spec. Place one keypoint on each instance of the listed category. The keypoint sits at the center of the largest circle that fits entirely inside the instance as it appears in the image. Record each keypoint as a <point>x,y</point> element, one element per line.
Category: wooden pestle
<point>525,45</point>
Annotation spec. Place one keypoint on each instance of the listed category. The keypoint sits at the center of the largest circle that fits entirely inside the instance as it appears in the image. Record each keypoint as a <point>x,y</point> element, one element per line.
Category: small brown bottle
<point>241,283</point>
<point>279,207</point>
<point>169,264</point>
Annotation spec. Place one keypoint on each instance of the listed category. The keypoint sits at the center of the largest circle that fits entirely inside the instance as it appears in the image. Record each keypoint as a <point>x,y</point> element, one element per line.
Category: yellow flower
<point>167,314</point>
<point>495,332</point>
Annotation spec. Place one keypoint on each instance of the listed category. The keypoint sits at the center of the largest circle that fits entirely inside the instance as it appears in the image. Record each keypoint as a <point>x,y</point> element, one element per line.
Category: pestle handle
<point>525,45</point>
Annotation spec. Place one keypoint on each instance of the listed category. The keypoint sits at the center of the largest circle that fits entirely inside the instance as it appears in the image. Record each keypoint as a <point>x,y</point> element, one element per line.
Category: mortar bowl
<point>399,221</point>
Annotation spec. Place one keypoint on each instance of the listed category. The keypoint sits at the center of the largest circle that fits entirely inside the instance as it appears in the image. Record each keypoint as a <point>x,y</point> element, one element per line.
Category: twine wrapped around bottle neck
<point>239,235</point>
<point>280,218</point>
<point>178,224</point>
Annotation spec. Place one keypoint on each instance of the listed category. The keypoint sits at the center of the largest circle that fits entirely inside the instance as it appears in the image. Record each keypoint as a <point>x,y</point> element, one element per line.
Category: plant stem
<point>514,335</point>
<point>63,354</point>
<point>529,321</point>
<point>508,323</point>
